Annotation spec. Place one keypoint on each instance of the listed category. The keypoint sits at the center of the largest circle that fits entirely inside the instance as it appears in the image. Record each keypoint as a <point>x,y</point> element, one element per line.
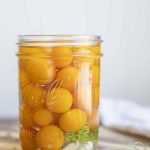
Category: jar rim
<point>58,40</point>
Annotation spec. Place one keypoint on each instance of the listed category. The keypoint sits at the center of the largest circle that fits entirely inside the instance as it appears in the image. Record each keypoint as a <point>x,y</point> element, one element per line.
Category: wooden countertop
<point>109,139</point>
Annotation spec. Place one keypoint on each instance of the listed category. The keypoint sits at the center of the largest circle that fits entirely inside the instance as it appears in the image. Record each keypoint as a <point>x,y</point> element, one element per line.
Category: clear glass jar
<point>59,84</point>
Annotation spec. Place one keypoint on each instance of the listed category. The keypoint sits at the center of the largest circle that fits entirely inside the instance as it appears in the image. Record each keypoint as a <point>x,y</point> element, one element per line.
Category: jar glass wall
<point>59,85</point>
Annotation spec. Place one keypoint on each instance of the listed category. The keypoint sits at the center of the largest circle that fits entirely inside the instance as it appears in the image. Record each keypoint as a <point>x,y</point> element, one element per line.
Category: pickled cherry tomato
<point>23,78</point>
<point>73,120</point>
<point>59,100</point>
<point>25,117</point>
<point>27,137</point>
<point>36,51</point>
<point>62,56</point>
<point>42,117</point>
<point>32,96</point>
<point>68,77</point>
<point>50,137</point>
<point>41,70</point>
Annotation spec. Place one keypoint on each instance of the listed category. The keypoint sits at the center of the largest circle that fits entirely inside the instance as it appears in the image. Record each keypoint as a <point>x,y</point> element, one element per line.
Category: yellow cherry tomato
<point>68,77</point>
<point>59,100</point>
<point>33,96</point>
<point>62,56</point>
<point>73,120</point>
<point>42,117</point>
<point>30,51</point>
<point>23,78</point>
<point>27,137</point>
<point>50,137</point>
<point>41,70</point>
<point>25,117</point>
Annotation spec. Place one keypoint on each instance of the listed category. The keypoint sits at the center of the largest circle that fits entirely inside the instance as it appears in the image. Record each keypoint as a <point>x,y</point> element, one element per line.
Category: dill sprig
<point>82,136</point>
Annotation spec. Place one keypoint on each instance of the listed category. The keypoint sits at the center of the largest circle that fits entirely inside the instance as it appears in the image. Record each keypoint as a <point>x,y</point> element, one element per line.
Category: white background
<point>124,25</point>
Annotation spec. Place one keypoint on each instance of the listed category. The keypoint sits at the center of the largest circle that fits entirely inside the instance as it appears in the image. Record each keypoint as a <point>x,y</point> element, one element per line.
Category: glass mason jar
<point>59,92</point>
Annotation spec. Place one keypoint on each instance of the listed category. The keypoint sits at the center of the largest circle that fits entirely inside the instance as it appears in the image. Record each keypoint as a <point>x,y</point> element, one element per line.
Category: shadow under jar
<point>59,85</point>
